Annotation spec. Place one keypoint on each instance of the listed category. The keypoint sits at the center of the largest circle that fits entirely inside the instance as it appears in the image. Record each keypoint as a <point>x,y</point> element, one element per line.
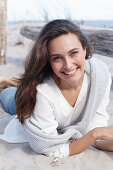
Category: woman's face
<point>67,59</point>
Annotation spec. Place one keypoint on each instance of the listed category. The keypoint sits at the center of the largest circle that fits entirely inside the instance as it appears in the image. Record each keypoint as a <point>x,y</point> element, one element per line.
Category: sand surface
<point>21,156</point>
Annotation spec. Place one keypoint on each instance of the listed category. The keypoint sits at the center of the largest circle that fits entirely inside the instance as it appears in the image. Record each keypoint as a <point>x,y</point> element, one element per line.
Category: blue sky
<point>19,10</point>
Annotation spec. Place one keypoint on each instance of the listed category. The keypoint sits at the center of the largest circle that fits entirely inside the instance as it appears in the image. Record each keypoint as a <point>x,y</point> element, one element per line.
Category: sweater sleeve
<point>43,119</point>
<point>101,117</point>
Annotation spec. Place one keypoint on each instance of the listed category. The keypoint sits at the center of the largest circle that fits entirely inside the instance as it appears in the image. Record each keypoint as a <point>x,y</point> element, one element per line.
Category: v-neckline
<point>64,99</point>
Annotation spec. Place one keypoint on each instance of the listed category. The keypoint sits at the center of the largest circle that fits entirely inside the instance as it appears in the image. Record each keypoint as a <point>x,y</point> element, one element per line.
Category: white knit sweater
<point>52,113</point>
<point>54,122</point>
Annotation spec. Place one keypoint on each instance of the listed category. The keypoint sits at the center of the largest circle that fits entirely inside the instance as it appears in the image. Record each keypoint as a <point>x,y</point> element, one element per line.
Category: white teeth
<point>71,72</point>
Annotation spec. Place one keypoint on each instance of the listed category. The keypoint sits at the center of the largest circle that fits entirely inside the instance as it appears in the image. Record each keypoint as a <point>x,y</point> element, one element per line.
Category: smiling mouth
<point>70,72</point>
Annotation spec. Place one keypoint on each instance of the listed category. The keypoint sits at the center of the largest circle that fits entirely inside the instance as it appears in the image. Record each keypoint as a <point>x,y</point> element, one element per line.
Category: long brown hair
<point>37,66</point>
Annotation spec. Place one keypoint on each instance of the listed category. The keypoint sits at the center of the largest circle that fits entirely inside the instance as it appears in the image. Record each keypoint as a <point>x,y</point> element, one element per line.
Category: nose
<point>67,63</point>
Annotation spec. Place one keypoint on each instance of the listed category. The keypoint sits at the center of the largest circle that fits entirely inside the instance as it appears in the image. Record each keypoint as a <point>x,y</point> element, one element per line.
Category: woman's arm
<point>104,134</point>
<point>81,144</point>
<point>100,119</point>
<point>106,141</point>
<point>8,81</point>
<point>43,119</point>
<point>106,145</point>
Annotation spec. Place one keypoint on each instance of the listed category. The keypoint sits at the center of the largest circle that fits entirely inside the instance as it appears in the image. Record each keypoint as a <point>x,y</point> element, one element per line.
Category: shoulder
<point>47,88</point>
<point>99,73</point>
<point>97,63</point>
<point>98,66</point>
<point>46,85</point>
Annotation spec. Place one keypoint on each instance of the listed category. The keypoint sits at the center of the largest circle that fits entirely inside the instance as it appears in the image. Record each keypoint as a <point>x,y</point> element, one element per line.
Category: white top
<point>49,119</point>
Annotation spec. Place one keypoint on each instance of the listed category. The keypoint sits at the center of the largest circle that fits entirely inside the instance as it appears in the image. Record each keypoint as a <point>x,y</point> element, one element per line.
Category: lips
<point>70,72</point>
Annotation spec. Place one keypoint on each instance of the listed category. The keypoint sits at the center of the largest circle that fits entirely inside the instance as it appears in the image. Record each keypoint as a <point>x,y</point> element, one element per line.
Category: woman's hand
<point>105,136</point>
<point>103,133</point>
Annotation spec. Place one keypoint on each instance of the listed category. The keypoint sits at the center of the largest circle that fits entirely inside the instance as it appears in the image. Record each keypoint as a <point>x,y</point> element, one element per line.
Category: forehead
<point>64,43</point>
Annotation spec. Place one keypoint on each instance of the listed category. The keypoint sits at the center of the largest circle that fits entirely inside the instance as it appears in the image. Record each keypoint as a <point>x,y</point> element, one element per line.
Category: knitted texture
<point>43,143</point>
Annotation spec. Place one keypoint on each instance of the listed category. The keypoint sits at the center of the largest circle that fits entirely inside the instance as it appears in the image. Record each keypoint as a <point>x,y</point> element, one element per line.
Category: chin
<point>75,81</point>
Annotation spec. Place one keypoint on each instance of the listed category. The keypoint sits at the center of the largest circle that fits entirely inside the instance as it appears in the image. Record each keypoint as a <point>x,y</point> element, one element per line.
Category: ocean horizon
<point>97,23</point>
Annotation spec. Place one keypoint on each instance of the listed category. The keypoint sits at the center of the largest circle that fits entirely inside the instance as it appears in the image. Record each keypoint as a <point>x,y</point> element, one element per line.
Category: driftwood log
<point>100,40</point>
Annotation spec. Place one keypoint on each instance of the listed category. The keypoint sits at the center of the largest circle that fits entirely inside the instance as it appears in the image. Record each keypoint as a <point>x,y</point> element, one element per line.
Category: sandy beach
<point>21,156</point>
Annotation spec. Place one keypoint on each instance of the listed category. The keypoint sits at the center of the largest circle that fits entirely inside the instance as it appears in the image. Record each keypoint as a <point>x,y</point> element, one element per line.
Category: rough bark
<point>3,31</point>
<point>101,40</point>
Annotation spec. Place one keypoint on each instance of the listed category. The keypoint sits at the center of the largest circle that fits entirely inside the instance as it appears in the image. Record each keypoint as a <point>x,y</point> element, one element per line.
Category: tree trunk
<point>3,31</point>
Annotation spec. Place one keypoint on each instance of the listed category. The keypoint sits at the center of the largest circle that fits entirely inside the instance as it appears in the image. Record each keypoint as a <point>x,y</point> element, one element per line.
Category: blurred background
<point>87,12</point>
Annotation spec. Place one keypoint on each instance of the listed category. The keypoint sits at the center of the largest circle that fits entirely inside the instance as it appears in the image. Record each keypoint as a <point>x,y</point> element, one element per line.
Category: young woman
<point>62,96</point>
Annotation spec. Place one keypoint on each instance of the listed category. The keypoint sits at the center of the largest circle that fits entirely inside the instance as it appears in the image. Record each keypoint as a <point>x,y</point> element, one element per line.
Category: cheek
<point>80,61</point>
<point>56,67</point>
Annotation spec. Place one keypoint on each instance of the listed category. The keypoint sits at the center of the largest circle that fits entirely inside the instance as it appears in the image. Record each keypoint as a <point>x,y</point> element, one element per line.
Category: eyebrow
<point>52,55</point>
